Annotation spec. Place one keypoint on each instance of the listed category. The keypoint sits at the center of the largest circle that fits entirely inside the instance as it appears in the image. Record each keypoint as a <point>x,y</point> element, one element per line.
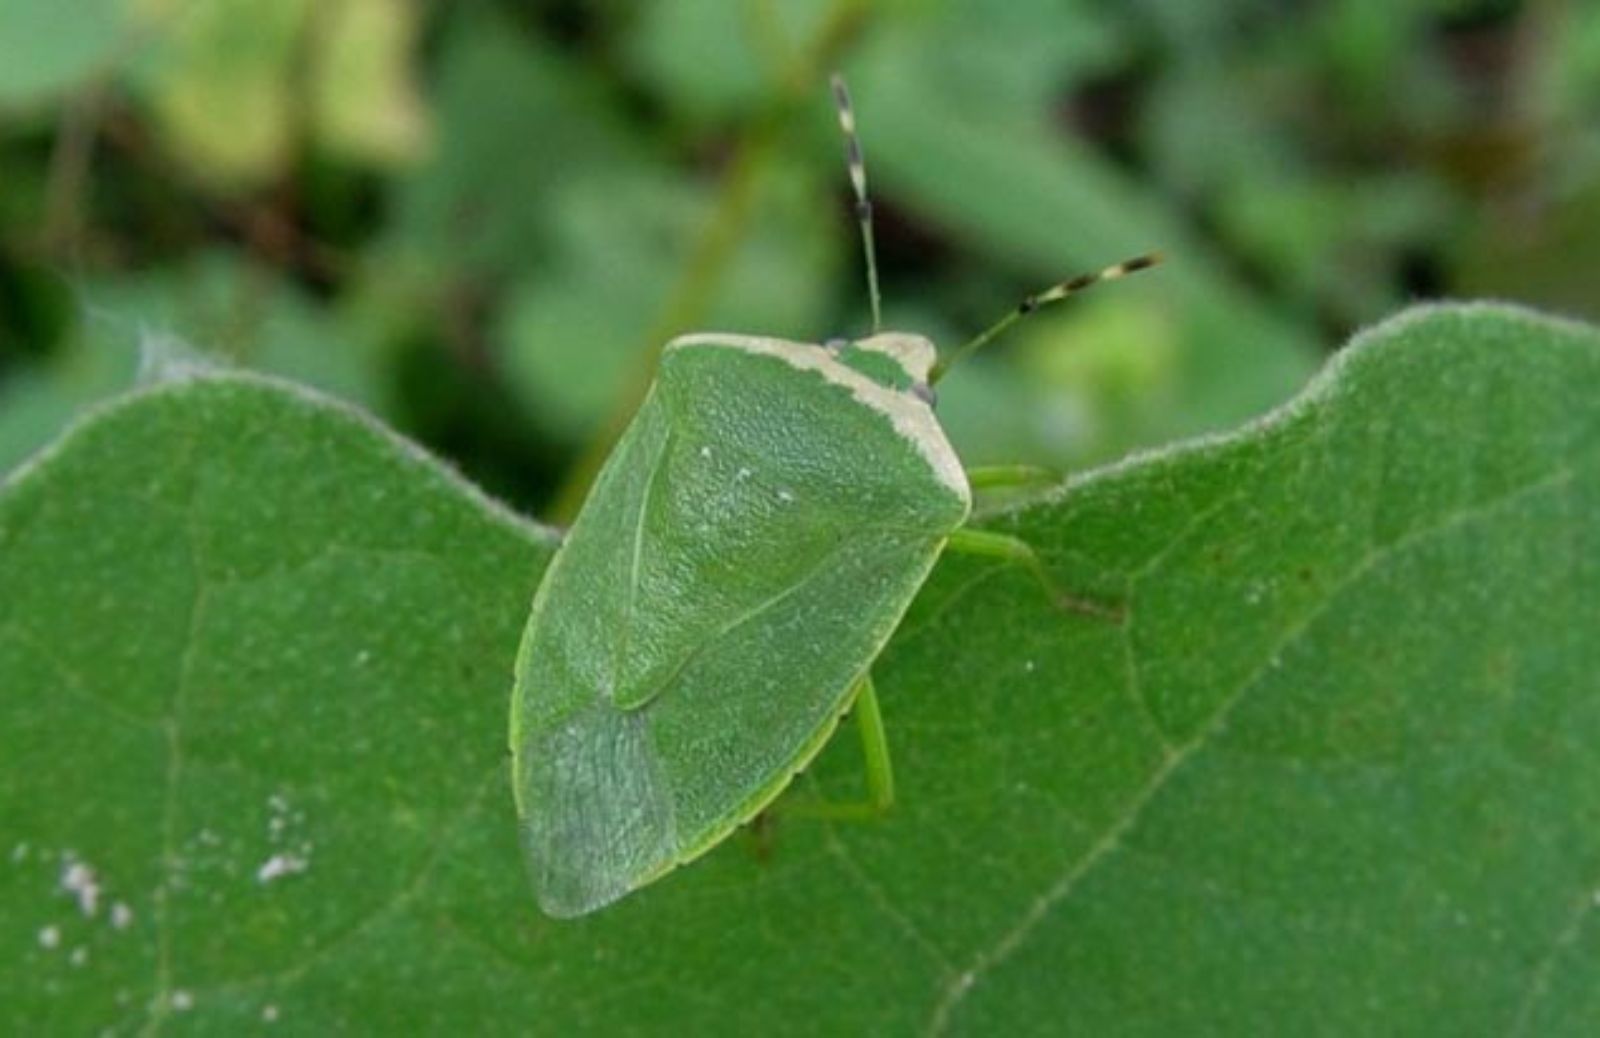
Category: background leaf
<point>244,313</point>
<point>1335,775</point>
<point>47,48</point>
<point>1052,208</point>
<point>488,215</point>
<point>238,85</point>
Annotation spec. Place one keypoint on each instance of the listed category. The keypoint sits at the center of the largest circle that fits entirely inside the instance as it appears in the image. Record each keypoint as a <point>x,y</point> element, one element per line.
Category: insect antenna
<point>1055,293</point>
<point>858,181</point>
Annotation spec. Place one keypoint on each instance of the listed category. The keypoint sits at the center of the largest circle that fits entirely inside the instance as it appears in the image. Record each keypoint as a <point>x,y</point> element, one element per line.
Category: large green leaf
<point>1336,774</point>
<point>253,658</point>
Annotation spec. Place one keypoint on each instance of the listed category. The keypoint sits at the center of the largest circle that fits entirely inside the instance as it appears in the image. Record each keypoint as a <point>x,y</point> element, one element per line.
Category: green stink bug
<point>746,552</point>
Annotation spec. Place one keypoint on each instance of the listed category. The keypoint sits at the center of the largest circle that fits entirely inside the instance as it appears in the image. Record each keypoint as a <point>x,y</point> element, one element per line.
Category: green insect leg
<point>1015,550</point>
<point>880,770</point>
<point>1007,477</point>
<point>874,748</point>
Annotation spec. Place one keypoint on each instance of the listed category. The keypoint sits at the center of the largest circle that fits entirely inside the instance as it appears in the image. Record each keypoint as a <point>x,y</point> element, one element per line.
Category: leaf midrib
<point>1013,937</point>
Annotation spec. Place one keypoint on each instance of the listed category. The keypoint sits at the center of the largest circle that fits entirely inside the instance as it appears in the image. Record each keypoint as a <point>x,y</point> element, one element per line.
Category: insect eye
<point>926,393</point>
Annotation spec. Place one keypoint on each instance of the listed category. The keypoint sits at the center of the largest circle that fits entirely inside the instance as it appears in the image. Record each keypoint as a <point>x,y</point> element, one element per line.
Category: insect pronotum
<point>746,551</point>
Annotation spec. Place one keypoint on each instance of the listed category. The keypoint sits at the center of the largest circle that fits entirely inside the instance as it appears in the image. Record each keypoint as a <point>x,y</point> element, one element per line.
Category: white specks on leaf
<point>287,861</point>
<point>79,957</point>
<point>19,853</point>
<point>280,865</point>
<point>279,817</point>
<point>180,1001</point>
<point>121,916</point>
<point>786,496</point>
<point>50,937</point>
<point>1260,591</point>
<point>79,880</point>
<point>269,1013</point>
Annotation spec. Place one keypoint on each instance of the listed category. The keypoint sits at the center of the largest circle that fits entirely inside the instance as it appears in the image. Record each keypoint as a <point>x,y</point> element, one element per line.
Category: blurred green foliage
<point>480,219</point>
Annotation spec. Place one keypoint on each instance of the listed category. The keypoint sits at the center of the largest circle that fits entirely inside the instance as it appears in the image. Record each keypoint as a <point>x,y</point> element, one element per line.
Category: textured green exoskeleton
<point>747,550</point>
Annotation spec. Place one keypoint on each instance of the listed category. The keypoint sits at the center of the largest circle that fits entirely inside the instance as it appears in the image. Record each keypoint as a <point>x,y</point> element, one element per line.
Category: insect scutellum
<point>1059,291</point>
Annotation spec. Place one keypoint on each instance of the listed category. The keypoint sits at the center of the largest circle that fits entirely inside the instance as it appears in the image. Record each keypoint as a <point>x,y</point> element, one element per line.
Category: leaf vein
<point>1014,937</point>
<point>1565,936</point>
<point>880,900</point>
<point>73,683</point>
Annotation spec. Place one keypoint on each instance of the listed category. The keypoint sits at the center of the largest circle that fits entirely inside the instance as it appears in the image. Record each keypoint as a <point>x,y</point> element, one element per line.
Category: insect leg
<point>874,747</point>
<point>1003,477</point>
<point>880,769</point>
<point>1015,550</point>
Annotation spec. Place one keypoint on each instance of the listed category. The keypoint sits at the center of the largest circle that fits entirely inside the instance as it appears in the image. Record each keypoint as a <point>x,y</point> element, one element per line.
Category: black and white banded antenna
<point>1055,293</point>
<point>858,182</point>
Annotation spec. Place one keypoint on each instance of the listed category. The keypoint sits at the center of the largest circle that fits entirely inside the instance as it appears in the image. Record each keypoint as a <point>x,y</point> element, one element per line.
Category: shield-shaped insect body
<point>748,548</point>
